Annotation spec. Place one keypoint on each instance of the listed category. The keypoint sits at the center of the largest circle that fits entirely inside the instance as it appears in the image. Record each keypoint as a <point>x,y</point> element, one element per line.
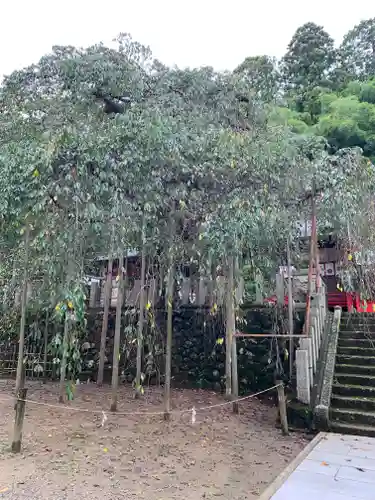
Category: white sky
<point>218,33</point>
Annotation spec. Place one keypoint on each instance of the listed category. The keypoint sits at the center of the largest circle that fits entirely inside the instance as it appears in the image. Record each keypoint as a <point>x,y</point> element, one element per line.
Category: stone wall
<point>199,348</point>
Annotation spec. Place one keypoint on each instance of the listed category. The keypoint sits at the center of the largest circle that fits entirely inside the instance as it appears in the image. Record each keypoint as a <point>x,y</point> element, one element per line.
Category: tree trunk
<point>45,348</point>
<point>229,327</point>
<point>103,338</point>
<point>116,345</point>
<point>64,359</point>
<point>168,356</point>
<point>142,300</point>
<point>231,318</point>
<point>21,342</point>
<point>290,310</point>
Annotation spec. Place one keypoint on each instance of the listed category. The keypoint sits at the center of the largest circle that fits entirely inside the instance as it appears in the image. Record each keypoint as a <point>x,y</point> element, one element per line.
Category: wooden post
<point>169,306</point>
<point>103,337</point>
<point>18,422</point>
<point>229,328</point>
<point>64,360</point>
<point>234,375</point>
<point>21,341</point>
<point>231,319</point>
<point>168,356</point>
<point>117,339</point>
<point>311,266</point>
<point>290,310</point>
<point>45,356</point>
<point>142,300</point>
<point>282,407</point>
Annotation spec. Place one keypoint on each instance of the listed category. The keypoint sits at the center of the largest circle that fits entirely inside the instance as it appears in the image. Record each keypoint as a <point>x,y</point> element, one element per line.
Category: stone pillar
<point>318,333</point>
<point>306,345</point>
<point>185,290</point>
<point>280,289</point>
<point>314,340</point>
<point>94,287</point>
<point>303,385</point>
<point>202,291</point>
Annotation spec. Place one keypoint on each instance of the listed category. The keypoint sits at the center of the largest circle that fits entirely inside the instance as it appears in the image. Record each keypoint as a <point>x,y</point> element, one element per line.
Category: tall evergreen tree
<point>357,51</point>
<point>309,58</point>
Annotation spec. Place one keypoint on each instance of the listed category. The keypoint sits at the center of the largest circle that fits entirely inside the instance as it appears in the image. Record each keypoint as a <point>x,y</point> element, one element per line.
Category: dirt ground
<point>69,454</point>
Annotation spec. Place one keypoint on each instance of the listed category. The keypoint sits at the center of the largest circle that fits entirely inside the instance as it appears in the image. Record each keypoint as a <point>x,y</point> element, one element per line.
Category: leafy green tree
<point>105,148</point>
<point>357,51</point>
<point>261,75</point>
<point>308,62</point>
<point>348,120</point>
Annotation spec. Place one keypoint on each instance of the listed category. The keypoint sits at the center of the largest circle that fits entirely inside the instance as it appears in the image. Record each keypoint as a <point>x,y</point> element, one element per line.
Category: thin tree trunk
<point>232,320</point>
<point>142,300</point>
<point>229,328</point>
<point>311,266</point>
<point>169,307</point>
<point>290,310</point>
<point>168,356</point>
<point>64,359</point>
<point>103,337</point>
<point>21,343</point>
<point>45,348</point>
<point>116,345</point>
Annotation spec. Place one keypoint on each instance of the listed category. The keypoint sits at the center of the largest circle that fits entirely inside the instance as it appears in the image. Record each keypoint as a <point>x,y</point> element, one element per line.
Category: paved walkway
<point>333,467</point>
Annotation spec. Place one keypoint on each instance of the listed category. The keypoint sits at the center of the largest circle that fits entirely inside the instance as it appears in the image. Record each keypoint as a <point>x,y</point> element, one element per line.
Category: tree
<point>261,75</point>
<point>308,61</point>
<point>195,170</point>
<point>348,118</point>
<point>357,51</point>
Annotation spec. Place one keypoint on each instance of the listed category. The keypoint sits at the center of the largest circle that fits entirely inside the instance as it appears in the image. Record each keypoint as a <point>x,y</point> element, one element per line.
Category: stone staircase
<point>352,408</point>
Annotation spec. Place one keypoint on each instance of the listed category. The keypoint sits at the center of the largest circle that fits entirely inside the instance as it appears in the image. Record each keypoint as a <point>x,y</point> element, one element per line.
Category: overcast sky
<point>193,33</point>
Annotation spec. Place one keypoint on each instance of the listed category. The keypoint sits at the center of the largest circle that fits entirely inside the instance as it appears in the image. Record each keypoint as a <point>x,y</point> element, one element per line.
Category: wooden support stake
<point>117,339</point>
<point>18,422</point>
<point>45,355</point>
<point>64,360</point>
<point>231,319</point>
<point>282,407</point>
<point>290,310</point>
<point>107,305</point>
<point>234,375</point>
<point>142,300</point>
<point>24,300</point>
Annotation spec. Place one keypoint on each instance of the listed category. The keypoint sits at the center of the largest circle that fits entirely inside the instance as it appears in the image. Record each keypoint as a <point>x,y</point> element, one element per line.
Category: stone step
<point>368,325</point>
<point>350,342</point>
<point>355,379</point>
<point>357,316</point>
<point>355,360</point>
<point>353,403</point>
<point>356,369</point>
<point>353,416</point>
<point>355,351</point>
<point>359,334</point>
<point>354,429</point>
<point>352,390</point>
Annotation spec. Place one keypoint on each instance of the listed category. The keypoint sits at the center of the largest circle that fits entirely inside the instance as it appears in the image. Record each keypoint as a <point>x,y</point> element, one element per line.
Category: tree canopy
<point>105,149</point>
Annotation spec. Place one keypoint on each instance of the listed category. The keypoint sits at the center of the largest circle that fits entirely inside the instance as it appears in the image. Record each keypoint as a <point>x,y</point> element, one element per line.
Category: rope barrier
<point>193,410</point>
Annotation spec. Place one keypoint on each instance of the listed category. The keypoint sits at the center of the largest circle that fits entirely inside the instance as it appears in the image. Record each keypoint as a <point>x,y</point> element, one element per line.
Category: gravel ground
<point>69,454</point>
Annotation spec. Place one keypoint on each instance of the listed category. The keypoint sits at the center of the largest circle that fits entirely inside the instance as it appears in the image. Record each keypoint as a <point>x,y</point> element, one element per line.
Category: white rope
<point>193,410</point>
